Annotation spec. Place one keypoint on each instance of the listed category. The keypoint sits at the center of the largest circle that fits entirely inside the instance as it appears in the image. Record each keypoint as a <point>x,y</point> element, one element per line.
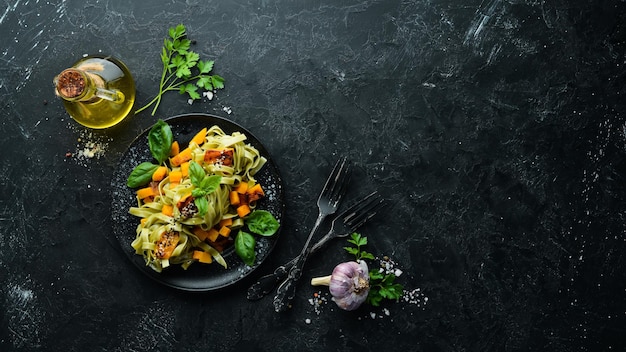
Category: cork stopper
<point>70,83</point>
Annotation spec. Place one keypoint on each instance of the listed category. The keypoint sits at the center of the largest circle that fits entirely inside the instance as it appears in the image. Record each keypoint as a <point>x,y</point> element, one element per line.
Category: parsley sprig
<point>181,68</point>
<point>382,284</point>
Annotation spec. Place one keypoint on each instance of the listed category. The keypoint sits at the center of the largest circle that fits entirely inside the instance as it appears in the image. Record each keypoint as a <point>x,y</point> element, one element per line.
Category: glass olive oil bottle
<point>97,91</point>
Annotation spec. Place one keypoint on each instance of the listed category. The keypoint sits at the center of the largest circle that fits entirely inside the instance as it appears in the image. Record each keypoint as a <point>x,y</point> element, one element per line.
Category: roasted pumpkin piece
<point>175,149</point>
<point>255,193</point>
<point>213,235</point>
<point>219,156</point>
<point>167,210</point>
<point>234,198</point>
<point>159,174</point>
<point>224,231</point>
<point>145,193</point>
<point>202,257</point>
<point>202,234</point>
<point>221,243</point>
<point>243,210</point>
<point>176,176</point>
<point>200,137</point>
<point>226,222</point>
<point>184,155</point>
<point>166,244</point>
<point>184,169</point>
<point>242,187</point>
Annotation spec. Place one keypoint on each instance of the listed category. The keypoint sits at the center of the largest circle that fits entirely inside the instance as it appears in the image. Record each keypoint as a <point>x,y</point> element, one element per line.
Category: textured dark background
<point>495,128</point>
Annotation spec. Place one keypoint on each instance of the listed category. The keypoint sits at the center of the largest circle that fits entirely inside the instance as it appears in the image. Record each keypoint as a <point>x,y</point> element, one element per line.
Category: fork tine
<point>342,182</point>
<point>365,215</point>
<point>335,186</point>
<point>359,213</point>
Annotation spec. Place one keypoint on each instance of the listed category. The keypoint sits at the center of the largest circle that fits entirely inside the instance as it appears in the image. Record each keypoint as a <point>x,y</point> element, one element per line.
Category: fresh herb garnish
<point>141,174</point>
<point>204,184</point>
<point>262,222</point>
<point>181,67</point>
<point>160,140</point>
<point>244,247</point>
<point>382,285</point>
<point>359,241</point>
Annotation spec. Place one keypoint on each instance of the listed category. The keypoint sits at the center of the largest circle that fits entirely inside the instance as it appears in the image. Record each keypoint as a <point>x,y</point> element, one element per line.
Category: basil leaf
<point>262,222</point>
<point>244,247</point>
<point>160,140</point>
<point>141,174</point>
<point>210,183</point>
<point>196,173</point>
<point>198,192</point>
<point>202,204</point>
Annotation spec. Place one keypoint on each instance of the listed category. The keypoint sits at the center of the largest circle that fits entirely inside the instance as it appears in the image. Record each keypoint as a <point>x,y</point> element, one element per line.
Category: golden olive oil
<point>97,91</point>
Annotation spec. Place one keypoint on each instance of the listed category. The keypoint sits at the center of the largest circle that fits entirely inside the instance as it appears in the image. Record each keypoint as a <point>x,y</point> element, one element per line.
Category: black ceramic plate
<point>198,277</point>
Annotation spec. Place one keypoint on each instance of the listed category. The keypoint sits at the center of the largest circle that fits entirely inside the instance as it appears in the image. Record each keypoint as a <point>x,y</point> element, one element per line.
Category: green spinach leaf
<point>262,222</point>
<point>141,174</point>
<point>160,140</point>
<point>244,247</point>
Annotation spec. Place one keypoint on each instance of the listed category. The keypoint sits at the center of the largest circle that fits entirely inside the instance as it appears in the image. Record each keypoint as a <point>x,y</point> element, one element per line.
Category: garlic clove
<point>349,284</point>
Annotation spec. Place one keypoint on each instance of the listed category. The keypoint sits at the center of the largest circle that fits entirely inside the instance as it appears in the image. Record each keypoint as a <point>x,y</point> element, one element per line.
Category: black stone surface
<point>495,128</point>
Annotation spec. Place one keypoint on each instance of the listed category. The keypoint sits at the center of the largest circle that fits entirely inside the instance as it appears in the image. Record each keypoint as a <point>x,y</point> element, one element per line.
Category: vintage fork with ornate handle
<point>343,225</point>
<point>327,202</point>
<point>363,210</point>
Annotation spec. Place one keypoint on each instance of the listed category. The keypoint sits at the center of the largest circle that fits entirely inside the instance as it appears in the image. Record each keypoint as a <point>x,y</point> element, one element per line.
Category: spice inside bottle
<point>97,92</point>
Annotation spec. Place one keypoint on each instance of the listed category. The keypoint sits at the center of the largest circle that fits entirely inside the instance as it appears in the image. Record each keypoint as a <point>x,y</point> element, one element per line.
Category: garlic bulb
<point>348,284</point>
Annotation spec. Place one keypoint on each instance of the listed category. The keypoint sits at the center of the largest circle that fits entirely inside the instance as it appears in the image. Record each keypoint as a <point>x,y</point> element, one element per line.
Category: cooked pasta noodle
<point>156,227</point>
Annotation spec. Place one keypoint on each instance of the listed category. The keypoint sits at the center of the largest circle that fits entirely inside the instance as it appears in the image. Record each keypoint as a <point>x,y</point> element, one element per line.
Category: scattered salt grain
<point>307,320</point>
<point>415,296</point>
<point>227,110</point>
<point>317,301</point>
<point>388,266</point>
<point>208,95</point>
<point>189,101</point>
<point>88,146</point>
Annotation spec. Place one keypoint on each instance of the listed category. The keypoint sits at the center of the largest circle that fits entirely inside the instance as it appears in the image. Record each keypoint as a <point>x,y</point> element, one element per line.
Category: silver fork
<point>343,225</point>
<point>327,203</point>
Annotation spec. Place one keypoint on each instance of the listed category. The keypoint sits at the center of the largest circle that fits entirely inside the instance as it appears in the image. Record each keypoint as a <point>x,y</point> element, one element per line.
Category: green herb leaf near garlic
<point>352,284</point>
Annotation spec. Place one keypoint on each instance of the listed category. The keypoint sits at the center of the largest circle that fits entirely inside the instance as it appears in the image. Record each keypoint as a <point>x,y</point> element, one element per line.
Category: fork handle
<point>287,289</point>
<point>266,283</point>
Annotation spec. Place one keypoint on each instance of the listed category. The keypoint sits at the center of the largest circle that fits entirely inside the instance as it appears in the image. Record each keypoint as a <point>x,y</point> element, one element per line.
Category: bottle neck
<point>77,85</point>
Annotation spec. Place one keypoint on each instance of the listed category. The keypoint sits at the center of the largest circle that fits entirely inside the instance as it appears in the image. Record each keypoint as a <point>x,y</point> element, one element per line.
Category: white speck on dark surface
<point>23,314</point>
